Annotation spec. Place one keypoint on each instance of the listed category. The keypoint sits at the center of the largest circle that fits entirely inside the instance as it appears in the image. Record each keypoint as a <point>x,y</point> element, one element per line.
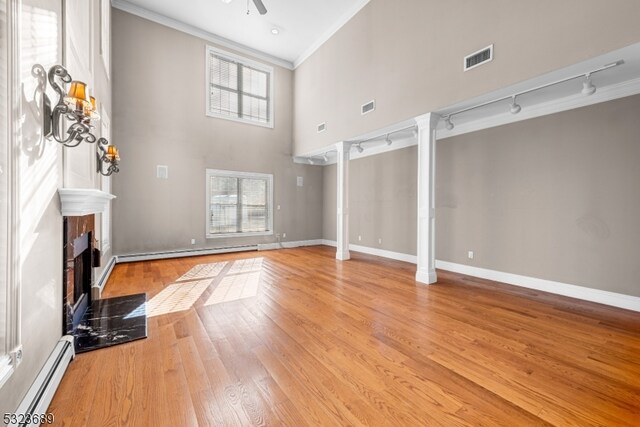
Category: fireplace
<point>78,269</point>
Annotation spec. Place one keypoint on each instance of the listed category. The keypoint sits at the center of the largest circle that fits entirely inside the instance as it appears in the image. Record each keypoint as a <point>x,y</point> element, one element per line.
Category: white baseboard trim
<point>96,289</point>
<point>426,277</point>
<point>182,253</point>
<point>398,256</point>
<point>288,245</point>
<point>41,392</point>
<point>614,299</point>
<point>594,295</point>
<point>384,253</point>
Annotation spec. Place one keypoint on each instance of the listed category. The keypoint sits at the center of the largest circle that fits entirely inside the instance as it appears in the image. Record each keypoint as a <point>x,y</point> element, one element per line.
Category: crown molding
<point>339,23</point>
<point>197,32</point>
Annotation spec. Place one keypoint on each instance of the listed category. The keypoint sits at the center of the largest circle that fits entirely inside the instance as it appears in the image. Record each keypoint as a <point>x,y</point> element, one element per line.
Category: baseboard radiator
<point>39,396</point>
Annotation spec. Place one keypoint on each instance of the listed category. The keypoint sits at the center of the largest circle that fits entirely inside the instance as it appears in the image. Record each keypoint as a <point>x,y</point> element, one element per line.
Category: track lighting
<point>325,158</point>
<point>587,87</point>
<point>515,108</point>
<point>448,123</point>
<point>388,140</point>
<point>311,162</point>
<point>359,148</point>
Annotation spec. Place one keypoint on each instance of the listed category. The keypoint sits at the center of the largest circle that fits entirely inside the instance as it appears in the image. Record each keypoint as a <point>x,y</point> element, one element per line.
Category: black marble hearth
<point>112,321</point>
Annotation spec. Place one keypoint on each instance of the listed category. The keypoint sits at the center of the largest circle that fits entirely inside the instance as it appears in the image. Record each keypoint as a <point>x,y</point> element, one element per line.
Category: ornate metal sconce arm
<point>79,110</point>
<point>107,155</point>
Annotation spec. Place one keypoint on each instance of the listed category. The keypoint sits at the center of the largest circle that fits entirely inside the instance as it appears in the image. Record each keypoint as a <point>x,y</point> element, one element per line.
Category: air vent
<point>368,107</point>
<point>322,127</point>
<point>478,58</point>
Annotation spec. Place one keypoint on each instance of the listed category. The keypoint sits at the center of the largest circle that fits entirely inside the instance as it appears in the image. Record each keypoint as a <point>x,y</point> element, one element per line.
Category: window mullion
<point>240,89</point>
<point>239,206</point>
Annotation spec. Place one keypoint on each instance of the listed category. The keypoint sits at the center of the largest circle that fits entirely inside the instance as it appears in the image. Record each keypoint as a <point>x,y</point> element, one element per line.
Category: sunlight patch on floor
<point>203,271</point>
<point>177,297</point>
<point>235,287</point>
<point>241,280</point>
<point>246,266</point>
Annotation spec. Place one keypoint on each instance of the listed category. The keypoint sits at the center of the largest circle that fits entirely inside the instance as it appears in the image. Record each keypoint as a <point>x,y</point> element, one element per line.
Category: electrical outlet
<point>359,238</point>
<point>162,172</point>
<point>284,235</point>
<point>470,254</point>
<point>193,241</point>
<point>300,181</point>
<point>380,240</point>
<point>278,207</point>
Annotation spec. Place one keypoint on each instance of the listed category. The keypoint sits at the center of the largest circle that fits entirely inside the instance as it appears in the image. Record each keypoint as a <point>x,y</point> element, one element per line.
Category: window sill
<point>240,120</point>
<point>227,235</point>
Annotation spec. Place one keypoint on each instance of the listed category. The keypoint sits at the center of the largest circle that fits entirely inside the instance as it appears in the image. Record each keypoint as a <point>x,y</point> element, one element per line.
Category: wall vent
<point>368,107</point>
<point>478,58</point>
<point>322,127</point>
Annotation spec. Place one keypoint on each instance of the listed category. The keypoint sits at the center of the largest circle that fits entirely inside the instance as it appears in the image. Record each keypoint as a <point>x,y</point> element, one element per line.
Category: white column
<point>342,223</point>
<point>426,272</point>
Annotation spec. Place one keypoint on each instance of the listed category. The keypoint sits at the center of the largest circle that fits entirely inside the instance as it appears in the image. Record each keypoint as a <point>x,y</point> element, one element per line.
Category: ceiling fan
<point>258,3</point>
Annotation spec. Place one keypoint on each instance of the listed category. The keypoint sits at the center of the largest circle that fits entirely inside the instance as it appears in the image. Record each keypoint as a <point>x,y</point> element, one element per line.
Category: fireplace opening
<point>82,277</point>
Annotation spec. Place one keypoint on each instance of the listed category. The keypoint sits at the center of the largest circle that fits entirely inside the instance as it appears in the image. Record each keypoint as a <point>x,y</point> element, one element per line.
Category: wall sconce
<point>107,155</point>
<point>75,106</point>
<point>80,110</point>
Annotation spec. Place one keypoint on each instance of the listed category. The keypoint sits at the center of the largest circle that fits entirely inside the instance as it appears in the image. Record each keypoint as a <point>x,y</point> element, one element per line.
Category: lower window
<point>239,203</point>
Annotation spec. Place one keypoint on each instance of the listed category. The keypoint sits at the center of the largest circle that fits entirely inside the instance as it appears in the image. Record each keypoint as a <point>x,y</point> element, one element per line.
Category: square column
<point>426,272</point>
<point>342,223</point>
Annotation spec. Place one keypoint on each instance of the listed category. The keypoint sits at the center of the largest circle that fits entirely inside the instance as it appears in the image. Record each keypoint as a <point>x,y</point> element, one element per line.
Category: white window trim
<point>10,360</point>
<point>105,36</point>
<point>105,185</point>
<point>218,172</point>
<point>251,63</point>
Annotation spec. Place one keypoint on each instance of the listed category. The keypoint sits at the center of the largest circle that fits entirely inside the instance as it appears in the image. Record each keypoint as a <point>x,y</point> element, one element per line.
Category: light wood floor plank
<point>295,338</point>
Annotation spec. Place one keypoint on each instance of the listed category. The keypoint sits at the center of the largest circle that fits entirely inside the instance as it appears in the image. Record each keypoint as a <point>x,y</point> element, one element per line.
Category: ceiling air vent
<point>368,107</point>
<point>322,127</point>
<point>478,58</point>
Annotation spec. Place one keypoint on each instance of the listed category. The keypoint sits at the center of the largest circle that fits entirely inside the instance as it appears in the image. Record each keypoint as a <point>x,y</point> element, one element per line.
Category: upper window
<point>239,89</point>
<point>239,203</point>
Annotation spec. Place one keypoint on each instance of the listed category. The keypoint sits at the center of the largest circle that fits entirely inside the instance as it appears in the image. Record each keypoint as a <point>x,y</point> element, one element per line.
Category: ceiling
<point>303,24</point>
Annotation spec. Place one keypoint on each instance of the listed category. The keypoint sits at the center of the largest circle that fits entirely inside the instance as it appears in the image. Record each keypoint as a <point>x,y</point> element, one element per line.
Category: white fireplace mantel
<point>83,201</point>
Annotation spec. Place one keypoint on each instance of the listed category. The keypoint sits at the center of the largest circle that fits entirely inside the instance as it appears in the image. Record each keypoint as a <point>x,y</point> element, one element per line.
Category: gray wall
<point>159,119</point>
<point>382,201</point>
<point>407,54</point>
<point>554,198</point>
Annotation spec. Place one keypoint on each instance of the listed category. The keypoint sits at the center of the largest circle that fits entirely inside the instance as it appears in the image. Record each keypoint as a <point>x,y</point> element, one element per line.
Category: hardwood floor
<point>294,337</point>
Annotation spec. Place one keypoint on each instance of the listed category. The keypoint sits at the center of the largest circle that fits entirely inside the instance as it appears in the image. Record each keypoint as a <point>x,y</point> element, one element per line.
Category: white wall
<point>40,174</point>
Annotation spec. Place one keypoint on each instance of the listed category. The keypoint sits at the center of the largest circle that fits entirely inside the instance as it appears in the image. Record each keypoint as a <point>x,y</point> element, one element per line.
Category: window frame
<point>250,64</point>
<point>12,356</point>
<point>235,174</point>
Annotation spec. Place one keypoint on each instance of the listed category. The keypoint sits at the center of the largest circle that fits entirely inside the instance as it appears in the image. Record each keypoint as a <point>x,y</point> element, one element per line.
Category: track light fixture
<point>311,162</point>
<point>325,158</point>
<point>588,87</point>
<point>359,148</point>
<point>515,108</point>
<point>388,140</point>
<point>448,123</point>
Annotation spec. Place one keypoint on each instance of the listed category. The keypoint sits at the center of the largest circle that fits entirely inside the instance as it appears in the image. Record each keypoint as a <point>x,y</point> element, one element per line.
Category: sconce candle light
<point>107,155</point>
<point>80,110</point>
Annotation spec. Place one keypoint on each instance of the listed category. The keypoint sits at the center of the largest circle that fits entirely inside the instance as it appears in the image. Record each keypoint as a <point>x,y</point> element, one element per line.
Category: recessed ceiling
<point>302,25</point>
